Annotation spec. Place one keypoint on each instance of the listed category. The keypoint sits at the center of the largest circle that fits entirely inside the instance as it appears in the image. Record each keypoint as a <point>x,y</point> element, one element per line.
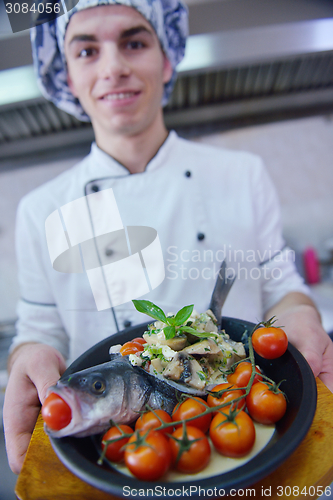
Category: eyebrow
<point>83,38</point>
<point>125,34</point>
<point>135,31</point>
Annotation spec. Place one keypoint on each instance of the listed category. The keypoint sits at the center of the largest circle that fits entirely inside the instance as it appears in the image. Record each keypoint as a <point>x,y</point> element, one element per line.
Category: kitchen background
<point>258,76</point>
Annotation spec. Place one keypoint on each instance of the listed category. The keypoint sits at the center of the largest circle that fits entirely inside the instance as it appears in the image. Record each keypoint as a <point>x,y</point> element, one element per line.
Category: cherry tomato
<point>56,413</point>
<point>139,340</point>
<point>148,456</point>
<point>226,397</point>
<point>115,451</point>
<point>233,439</point>
<point>149,421</point>
<point>190,408</point>
<point>242,374</point>
<point>270,342</point>
<point>266,405</point>
<point>131,348</point>
<point>197,456</point>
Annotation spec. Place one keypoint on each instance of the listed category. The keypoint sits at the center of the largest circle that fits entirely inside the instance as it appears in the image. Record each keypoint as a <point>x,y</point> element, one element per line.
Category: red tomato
<point>139,340</point>
<point>56,413</point>
<point>115,451</point>
<point>150,420</point>
<point>270,342</point>
<point>233,439</point>
<point>265,404</point>
<point>190,408</point>
<point>148,456</point>
<point>226,397</point>
<point>242,374</point>
<point>131,348</point>
<point>197,454</point>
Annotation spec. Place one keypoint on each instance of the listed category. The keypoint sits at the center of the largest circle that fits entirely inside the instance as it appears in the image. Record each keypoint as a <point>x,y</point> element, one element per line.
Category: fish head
<point>97,395</point>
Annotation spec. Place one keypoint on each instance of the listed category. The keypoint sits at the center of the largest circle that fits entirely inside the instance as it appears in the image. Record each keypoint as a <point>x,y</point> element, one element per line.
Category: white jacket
<point>205,203</point>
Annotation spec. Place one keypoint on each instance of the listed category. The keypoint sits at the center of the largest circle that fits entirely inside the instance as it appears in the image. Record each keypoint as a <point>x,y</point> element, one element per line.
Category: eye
<point>98,386</point>
<point>87,52</point>
<point>135,45</point>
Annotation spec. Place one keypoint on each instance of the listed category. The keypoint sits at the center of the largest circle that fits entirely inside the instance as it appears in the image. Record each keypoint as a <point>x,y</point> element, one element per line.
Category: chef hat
<point>169,18</point>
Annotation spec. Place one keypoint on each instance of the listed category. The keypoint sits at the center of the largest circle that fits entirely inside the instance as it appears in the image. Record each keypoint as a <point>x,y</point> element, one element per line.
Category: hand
<point>304,330</point>
<point>33,369</point>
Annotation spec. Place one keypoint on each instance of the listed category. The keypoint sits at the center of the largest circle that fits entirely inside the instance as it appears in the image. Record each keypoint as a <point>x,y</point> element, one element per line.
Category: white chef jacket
<point>206,204</point>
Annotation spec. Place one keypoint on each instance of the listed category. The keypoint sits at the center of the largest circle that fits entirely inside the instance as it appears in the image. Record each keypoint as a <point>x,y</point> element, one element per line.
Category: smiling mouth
<point>119,96</point>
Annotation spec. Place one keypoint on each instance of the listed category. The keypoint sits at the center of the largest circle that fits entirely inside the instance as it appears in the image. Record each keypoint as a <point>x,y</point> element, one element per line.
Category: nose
<point>112,64</point>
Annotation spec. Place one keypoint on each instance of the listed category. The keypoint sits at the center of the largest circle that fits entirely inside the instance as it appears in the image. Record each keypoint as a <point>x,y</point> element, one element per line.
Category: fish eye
<point>98,386</point>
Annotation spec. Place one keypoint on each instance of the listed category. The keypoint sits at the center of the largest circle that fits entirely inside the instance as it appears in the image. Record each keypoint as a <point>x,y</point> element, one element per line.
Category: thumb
<point>47,371</point>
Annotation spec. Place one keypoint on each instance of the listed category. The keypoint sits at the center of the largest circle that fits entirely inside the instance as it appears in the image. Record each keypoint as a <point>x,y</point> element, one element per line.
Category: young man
<point>115,63</point>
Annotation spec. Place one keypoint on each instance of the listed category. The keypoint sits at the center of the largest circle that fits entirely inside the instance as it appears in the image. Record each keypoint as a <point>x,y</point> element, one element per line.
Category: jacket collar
<point>113,168</point>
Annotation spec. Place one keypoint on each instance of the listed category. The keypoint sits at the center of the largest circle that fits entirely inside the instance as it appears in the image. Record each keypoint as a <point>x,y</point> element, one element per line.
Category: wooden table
<point>44,477</point>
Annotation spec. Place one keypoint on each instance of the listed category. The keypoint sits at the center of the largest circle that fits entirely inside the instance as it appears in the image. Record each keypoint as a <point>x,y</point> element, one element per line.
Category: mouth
<point>71,401</point>
<point>120,96</point>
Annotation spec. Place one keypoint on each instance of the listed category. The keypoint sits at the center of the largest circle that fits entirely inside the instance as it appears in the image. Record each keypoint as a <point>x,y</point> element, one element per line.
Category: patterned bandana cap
<point>169,18</point>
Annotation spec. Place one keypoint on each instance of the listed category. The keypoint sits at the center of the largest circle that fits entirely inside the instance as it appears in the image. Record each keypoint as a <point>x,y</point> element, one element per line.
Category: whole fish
<point>113,390</point>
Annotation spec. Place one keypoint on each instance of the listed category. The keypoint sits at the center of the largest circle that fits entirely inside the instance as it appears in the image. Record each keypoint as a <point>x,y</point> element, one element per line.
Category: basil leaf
<point>202,335</point>
<point>169,332</point>
<point>147,307</point>
<point>171,320</point>
<point>183,314</point>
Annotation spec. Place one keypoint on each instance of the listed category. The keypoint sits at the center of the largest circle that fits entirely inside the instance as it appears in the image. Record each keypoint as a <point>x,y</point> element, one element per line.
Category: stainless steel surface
<point>247,61</point>
<point>253,45</point>
<point>250,74</point>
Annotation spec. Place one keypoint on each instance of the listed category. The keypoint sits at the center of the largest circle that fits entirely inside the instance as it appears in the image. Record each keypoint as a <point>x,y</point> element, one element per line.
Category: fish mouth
<point>72,401</point>
<point>81,422</point>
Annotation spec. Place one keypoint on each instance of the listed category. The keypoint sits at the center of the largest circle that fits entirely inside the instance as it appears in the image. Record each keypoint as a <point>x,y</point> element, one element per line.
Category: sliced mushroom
<point>237,347</point>
<point>185,369</point>
<point>230,352</point>
<point>157,364</point>
<point>176,343</point>
<point>175,368</point>
<point>212,316</point>
<point>205,322</point>
<point>204,347</point>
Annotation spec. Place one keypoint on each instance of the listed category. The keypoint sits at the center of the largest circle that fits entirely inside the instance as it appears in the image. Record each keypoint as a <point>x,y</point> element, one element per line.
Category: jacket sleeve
<point>279,275</point>
<point>38,315</point>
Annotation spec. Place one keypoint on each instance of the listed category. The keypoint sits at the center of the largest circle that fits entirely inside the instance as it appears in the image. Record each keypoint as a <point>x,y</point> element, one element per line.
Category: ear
<point>71,85</point>
<point>167,69</point>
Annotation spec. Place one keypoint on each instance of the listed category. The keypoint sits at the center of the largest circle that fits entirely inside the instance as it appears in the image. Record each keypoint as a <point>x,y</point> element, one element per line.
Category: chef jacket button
<point>109,252</point>
<point>94,188</point>
<point>188,173</point>
<point>200,236</point>
<point>127,323</point>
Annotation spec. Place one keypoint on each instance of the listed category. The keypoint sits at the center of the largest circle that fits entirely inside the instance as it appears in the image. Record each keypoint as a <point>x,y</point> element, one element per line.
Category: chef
<point>181,207</point>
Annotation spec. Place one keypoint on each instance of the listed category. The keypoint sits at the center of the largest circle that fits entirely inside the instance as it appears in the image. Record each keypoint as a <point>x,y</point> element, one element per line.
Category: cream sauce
<point>218,463</point>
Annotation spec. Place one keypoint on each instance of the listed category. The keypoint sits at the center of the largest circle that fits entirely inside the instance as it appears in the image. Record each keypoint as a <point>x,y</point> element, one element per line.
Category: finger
<point>17,447</point>
<point>20,412</point>
<point>314,359</point>
<point>31,376</point>
<point>326,374</point>
<point>47,371</point>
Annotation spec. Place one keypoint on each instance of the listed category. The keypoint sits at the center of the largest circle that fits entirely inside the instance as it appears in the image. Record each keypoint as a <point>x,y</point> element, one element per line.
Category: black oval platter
<point>80,454</point>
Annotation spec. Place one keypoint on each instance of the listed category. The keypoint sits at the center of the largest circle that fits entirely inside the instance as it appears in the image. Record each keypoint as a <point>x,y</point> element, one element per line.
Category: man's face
<point>116,68</point>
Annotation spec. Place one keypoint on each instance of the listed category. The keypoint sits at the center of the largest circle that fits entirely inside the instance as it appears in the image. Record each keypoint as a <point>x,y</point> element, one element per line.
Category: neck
<point>135,150</point>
